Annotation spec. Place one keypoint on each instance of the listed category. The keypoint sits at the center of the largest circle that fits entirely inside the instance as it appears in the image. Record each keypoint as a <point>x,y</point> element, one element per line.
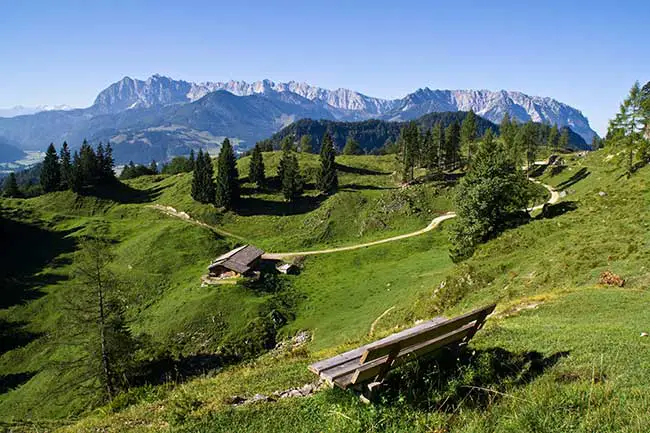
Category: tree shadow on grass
<point>249,206</point>
<point>472,378</point>
<point>122,193</point>
<point>557,209</point>
<point>27,249</point>
<point>356,187</point>
<point>577,177</point>
<point>360,171</point>
<point>13,335</point>
<point>12,381</point>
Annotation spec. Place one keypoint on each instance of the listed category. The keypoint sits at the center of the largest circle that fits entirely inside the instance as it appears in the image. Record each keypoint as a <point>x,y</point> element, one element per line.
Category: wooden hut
<point>242,261</point>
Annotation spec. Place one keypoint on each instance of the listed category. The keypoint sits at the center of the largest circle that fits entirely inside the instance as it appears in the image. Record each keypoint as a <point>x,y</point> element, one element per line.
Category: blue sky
<point>584,53</point>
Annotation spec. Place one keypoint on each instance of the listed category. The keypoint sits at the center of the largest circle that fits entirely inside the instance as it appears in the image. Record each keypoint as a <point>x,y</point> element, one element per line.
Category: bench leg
<point>368,393</point>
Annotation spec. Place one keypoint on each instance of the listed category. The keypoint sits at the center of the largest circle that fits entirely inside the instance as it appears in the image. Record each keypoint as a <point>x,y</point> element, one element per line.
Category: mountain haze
<point>160,117</point>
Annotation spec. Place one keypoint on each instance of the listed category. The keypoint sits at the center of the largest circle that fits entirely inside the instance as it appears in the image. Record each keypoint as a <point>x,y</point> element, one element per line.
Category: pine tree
<point>51,170</point>
<point>256,168</point>
<point>553,137</point>
<point>563,142</point>
<point>106,168</point>
<point>87,164</point>
<point>468,135</point>
<point>227,186</point>
<point>291,180</point>
<point>352,147</point>
<point>191,160</point>
<point>452,145</point>
<point>66,168</point>
<point>209,187</point>
<point>409,149</point>
<point>198,176</point>
<point>306,144</point>
<point>10,188</point>
<point>77,173</point>
<point>438,143</point>
<point>327,180</point>
<point>153,167</point>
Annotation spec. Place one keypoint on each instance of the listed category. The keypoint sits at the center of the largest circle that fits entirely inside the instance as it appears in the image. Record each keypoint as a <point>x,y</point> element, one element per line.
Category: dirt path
<point>168,210</point>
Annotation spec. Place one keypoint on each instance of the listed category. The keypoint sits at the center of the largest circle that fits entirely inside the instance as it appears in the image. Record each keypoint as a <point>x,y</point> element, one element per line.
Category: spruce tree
<point>51,170</point>
<point>291,180</point>
<point>306,144</point>
<point>77,173</point>
<point>191,160</point>
<point>438,145</point>
<point>553,137</point>
<point>106,168</point>
<point>352,147</point>
<point>327,181</point>
<point>10,188</point>
<point>452,145</point>
<point>468,135</point>
<point>409,149</point>
<point>256,168</point>
<point>87,164</point>
<point>153,167</point>
<point>227,186</point>
<point>198,176</point>
<point>66,167</point>
<point>563,142</point>
<point>209,187</point>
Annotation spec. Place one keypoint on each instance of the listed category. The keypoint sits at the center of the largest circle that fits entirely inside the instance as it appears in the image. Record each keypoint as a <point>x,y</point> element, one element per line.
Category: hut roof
<point>239,259</point>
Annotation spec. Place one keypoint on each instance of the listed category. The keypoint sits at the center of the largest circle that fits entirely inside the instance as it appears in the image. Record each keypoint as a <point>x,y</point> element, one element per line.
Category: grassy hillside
<point>160,260</point>
<point>562,353</point>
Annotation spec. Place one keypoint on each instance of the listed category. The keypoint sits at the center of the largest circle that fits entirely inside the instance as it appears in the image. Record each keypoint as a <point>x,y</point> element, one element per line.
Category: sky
<point>583,53</point>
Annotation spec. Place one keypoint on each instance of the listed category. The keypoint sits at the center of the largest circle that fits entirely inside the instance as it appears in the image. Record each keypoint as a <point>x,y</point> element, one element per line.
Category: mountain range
<point>161,117</point>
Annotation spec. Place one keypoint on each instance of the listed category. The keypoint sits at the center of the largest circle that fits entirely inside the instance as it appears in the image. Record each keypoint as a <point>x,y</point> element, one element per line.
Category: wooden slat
<point>381,348</point>
<point>372,369</point>
<point>319,366</point>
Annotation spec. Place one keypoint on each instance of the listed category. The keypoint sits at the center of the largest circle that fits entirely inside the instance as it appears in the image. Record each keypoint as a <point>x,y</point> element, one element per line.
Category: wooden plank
<point>319,366</point>
<point>372,369</point>
<point>380,348</point>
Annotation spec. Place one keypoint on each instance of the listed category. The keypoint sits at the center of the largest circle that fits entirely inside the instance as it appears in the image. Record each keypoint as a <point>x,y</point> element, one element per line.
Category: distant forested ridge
<point>372,135</point>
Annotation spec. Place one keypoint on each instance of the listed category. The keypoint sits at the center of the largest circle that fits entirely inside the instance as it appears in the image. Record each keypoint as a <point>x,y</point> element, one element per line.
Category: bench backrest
<point>383,355</point>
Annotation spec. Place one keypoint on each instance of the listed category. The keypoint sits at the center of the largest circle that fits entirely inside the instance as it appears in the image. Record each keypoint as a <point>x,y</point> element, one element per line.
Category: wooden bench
<point>371,363</point>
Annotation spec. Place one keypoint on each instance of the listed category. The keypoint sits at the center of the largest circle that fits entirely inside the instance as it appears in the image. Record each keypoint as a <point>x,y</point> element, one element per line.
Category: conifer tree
<point>409,149</point>
<point>438,143</point>
<point>553,137</point>
<point>77,173</point>
<point>452,145</point>
<point>51,170</point>
<point>227,185</point>
<point>327,180</point>
<point>209,187</point>
<point>153,167</point>
<point>198,177</point>
<point>66,168</point>
<point>352,147</point>
<point>468,135</point>
<point>191,160</point>
<point>291,179</point>
<point>563,142</point>
<point>306,144</point>
<point>10,188</point>
<point>87,164</point>
<point>106,168</point>
<point>256,168</point>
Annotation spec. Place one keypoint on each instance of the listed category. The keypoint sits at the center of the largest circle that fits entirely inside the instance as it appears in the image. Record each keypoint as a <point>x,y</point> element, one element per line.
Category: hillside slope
<point>562,353</point>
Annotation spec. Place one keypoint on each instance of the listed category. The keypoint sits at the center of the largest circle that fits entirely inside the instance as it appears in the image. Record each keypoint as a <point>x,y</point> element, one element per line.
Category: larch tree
<point>327,180</point>
<point>438,145</point>
<point>563,141</point>
<point>51,170</point>
<point>352,147</point>
<point>227,185</point>
<point>306,144</point>
<point>409,148</point>
<point>452,145</point>
<point>553,138</point>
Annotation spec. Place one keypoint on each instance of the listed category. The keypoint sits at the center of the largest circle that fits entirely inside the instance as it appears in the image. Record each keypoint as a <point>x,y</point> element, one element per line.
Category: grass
<point>562,353</point>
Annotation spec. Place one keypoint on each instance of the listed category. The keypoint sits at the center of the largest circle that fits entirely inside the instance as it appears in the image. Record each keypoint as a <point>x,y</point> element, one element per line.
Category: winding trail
<point>170,211</point>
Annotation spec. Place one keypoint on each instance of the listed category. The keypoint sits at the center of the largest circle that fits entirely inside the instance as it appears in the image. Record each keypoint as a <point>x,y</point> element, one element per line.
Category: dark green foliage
<point>67,179</point>
<point>153,167</point>
<point>487,196</point>
<point>409,149</point>
<point>132,171</point>
<point>438,146</point>
<point>227,184</point>
<point>553,138</point>
<point>452,146</point>
<point>256,168</point>
<point>564,139</point>
<point>10,188</point>
<point>51,172</point>
<point>468,135</point>
<point>203,187</point>
<point>306,144</point>
<point>290,177</point>
<point>287,143</point>
<point>352,147</point>
<point>327,181</point>
<point>179,164</point>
